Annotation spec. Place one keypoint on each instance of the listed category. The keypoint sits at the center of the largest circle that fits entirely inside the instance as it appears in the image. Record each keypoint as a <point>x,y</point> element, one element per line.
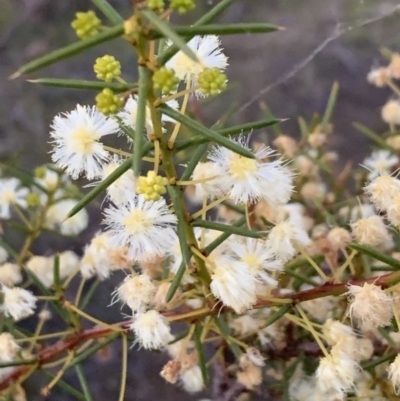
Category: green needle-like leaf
<point>125,166</point>
<point>83,84</point>
<point>372,135</point>
<point>277,315</point>
<point>56,273</point>
<point>223,237</point>
<point>376,255</point>
<point>224,329</point>
<point>84,383</point>
<point>331,105</point>
<point>70,50</point>
<point>205,132</point>
<point>200,352</point>
<point>167,31</point>
<point>212,225</point>
<point>92,350</point>
<point>109,11</point>
<point>176,281</point>
<point>219,29</point>
<point>214,13</point>
<point>237,129</point>
<point>144,76</point>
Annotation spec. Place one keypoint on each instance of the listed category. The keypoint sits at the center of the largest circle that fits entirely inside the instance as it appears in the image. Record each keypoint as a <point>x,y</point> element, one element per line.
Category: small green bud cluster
<point>33,199</point>
<point>165,80</point>
<point>182,6</point>
<point>86,24</point>
<point>156,5</point>
<point>107,68</point>
<point>40,172</point>
<point>108,102</point>
<point>152,186</point>
<point>212,81</point>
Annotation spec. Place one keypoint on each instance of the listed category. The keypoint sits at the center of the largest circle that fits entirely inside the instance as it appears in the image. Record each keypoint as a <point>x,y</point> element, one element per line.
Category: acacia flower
<point>17,302</point>
<point>152,329</point>
<point>370,231</point>
<point>56,216</point>
<point>381,191</point>
<point>11,194</point>
<point>394,374</point>
<point>10,274</point>
<point>96,258</point>
<point>209,55</point>
<point>76,137</point>
<point>8,347</point>
<point>137,292</point>
<point>249,180</point>
<point>370,306</point>
<point>284,237</point>
<point>192,380</point>
<point>129,113</point>
<point>380,162</point>
<point>145,227</point>
<point>233,284</point>
<point>258,258</point>
<point>123,185</point>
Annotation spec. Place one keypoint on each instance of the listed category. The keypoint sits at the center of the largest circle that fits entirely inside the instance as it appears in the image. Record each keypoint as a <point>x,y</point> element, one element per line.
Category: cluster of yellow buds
<point>182,6</point>
<point>212,81</point>
<point>156,5</point>
<point>152,186</point>
<point>166,80</point>
<point>86,24</point>
<point>108,102</point>
<point>107,68</point>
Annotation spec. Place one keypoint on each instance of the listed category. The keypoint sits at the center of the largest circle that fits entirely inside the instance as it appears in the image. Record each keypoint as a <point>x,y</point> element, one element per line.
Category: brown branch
<point>51,352</point>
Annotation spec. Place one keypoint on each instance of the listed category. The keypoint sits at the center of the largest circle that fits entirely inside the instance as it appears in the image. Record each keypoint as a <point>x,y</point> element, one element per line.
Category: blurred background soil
<point>29,28</point>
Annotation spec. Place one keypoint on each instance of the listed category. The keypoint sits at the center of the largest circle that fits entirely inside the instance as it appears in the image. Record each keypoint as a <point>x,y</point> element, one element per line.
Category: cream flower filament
<point>82,141</point>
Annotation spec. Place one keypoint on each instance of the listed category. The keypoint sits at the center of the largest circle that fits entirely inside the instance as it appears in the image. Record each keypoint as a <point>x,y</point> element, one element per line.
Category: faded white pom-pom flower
<point>248,180</point>
<point>233,284</point>
<point>8,347</point>
<point>137,292</point>
<point>10,274</point>
<point>76,137</point>
<point>381,191</point>
<point>152,329</point>
<point>283,239</point>
<point>43,267</point>
<point>379,76</point>
<point>129,113</point>
<point>258,258</point>
<point>394,374</point>
<point>393,211</point>
<point>370,306</point>
<point>56,217</point>
<point>123,185</point>
<point>380,162</point>
<point>11,194</point>
<point>339,238</point>
<point>17,302</point>
<point>391,112</point>
<point>209,55</point>
<point>370,231</point>
<point>96,258</point>
<point>191,379</point>
<point>334,331</point>
<point>210,188</point>
<point>145,227</point>
<point>336,374</point>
